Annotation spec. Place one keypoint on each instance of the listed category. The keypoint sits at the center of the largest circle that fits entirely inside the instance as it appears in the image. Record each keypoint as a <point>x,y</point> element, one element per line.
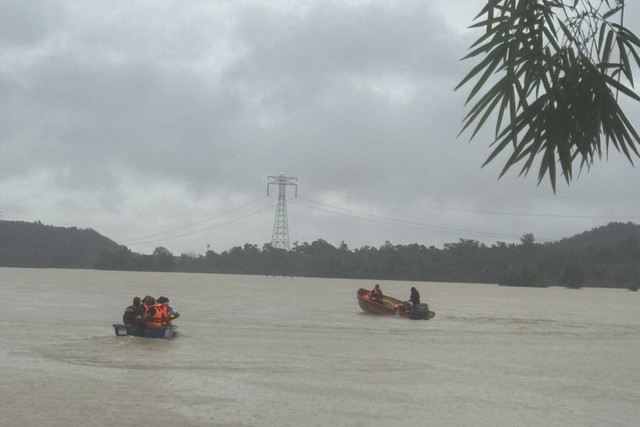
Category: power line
<point>489,212</point>
<point>202,229</point>
<point>398,222</point>
<point>207,219</point>
<point>168,219</point>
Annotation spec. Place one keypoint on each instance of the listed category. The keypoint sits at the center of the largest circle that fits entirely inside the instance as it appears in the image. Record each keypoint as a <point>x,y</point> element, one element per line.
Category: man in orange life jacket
<point>172,313</point>
<point>147,302</point>
<point>152,311</point>
<point>158,314</point>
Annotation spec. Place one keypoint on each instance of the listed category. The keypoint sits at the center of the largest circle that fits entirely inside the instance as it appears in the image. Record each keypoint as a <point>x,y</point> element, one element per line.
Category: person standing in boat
<point>376,293</point>
<point>133,311</point>
<point>414,298</point>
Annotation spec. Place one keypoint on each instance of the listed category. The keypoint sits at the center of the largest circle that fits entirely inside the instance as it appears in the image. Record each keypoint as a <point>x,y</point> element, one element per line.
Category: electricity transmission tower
<point>280,236</point>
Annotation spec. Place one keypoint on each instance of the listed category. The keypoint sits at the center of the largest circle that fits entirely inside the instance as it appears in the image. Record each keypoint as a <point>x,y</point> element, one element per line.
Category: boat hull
<point>122,330</point>
<point>389,306</point>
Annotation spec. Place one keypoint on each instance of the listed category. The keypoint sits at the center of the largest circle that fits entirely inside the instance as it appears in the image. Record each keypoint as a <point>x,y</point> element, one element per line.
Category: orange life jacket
<point>160,315</point>
<point>165,313</point>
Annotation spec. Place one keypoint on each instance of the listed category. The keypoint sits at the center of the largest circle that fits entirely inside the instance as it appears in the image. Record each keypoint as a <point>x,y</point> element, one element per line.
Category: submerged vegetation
<point>607,256</point>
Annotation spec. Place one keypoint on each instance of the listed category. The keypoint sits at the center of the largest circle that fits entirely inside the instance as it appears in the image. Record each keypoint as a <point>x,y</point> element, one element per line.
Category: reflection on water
<point>255,351</point>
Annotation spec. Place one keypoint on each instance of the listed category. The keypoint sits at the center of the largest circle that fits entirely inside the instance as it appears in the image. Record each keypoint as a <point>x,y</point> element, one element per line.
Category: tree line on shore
<point>607,256</point>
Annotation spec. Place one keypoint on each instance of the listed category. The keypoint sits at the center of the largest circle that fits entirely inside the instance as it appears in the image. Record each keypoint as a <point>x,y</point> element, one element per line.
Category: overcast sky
<point>157,123</point>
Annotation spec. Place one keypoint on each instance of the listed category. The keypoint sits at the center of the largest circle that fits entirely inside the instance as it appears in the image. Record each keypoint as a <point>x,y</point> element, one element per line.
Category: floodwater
<point>257,351</point>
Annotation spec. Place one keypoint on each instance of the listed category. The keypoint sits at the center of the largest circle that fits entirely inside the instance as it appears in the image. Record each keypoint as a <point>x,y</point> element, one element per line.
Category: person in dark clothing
<point>414,298</point>
<point>133,311</point>
<point>376,293</point>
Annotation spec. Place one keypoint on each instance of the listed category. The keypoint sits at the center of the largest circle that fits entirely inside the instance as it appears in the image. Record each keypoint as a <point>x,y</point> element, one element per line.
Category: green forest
<point>607,256</point>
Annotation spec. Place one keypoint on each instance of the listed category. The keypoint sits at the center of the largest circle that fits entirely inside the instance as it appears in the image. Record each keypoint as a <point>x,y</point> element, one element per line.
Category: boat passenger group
<point>412,304</point>
<point>149,312</point>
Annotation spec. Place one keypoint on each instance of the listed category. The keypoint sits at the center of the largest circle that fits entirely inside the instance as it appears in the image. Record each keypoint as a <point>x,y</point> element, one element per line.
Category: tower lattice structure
<point>280,236</point>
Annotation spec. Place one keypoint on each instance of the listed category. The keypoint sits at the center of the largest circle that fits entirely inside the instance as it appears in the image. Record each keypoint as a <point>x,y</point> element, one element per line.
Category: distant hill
<point>610,234</point>
<point>25,244</point>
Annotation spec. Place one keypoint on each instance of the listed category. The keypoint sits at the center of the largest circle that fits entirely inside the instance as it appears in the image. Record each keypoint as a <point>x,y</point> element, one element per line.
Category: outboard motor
<point>139,325</point>
<point>420,312</point>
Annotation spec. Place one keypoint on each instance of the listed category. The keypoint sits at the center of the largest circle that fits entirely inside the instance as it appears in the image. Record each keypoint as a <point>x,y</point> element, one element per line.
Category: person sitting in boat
<point>148,301</point>
<point>376,293</point>
<point>158,314</point>
<point>152,311</point>
<point>414,298</point>
<point>171,312</point>
<point>133,311</point>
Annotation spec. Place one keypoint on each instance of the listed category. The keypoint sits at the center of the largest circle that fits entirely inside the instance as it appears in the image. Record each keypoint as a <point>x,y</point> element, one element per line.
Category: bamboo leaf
<point>626,68</point>
<point>633,52</point>
<point>487,113</point>
<point>621,87</point>
<point>491,61</point>
<point>503,107</point>
<point>606,49</point>
<point>558,65</point>
<point>611,12</point>
<point>490,68</point>
<point>626,34</point>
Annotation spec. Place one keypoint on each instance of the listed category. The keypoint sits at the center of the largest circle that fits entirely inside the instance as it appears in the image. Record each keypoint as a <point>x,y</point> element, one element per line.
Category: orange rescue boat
<point>388,306</point>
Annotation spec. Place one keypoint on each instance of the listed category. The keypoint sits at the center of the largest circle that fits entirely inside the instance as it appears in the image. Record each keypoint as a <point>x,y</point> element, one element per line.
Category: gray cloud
<point>153,117</point>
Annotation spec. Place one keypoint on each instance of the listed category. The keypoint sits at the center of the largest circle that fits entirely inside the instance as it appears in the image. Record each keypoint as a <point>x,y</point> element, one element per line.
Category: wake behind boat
<point>388,306</point>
